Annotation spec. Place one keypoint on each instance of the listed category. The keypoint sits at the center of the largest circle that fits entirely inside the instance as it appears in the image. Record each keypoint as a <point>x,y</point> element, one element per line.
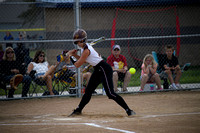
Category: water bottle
<point>152,87</point>
<point>103,91</point>
<point>165,84</point>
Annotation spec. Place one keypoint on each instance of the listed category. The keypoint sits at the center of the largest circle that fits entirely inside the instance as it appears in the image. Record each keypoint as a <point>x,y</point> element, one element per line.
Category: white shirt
<point>94,58</point>
<point>40,67</point>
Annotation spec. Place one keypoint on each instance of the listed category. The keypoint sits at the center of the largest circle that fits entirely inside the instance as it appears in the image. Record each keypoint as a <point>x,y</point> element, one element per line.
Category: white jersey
<point>40,67</point>
<point>94,58</point>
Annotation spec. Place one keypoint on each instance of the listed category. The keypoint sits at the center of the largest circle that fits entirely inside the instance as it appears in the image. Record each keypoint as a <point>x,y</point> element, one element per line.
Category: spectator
<point>148,73</point>
<point>42,67</point>
<point>8,37</point>
<point>171,67</point>
<point>22,56</point>
<point>9,68</point>
<point>1,52</point>
<point>67,73</point>
<point>120,69</point>
<point>85,76</point>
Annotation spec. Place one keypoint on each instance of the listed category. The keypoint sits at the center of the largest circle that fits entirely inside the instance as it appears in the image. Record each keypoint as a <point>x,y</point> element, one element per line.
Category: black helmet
<point>80,36</point>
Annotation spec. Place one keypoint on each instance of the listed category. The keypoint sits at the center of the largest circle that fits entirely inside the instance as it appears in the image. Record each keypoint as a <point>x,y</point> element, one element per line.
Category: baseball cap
<point>116,46</point>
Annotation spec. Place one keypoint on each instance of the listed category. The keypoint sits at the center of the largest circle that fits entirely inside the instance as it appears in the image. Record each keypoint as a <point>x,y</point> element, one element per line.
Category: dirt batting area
<point>160,112</point>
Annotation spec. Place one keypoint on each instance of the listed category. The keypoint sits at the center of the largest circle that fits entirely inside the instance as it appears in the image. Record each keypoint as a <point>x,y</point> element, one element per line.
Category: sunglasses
<point>8,52</point>
<point>116,49</point>
<point>42,56</point>
<point>76,42</point>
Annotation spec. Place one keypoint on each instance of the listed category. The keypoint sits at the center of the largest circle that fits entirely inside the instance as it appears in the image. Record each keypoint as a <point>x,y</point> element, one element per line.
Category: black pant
<point>103,73</point>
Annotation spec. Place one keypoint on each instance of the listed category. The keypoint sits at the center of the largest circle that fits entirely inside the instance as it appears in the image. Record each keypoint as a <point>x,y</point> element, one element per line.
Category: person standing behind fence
<point>1,52</point>
<point>171,67</point>
<point>120,69</point>
<point>9,68</point>
<point>102,73</point>
<point>148,73</point>
<point>22,56</point>
<point>8,37</point>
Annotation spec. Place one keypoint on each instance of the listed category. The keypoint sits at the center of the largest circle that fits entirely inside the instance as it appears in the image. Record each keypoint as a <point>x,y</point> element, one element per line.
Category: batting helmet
<point>80,36</point>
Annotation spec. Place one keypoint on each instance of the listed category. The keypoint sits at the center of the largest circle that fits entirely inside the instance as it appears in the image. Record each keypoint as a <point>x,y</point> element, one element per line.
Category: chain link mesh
<point>138,27</point>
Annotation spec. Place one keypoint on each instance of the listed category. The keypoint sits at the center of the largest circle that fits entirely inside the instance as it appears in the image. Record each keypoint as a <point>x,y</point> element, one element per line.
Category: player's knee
<point>168,71</point>
<point>145,76</point>
<point>128,74</point>
<point>115,76</point>
<point>156,75</point>
<point>111,95</point>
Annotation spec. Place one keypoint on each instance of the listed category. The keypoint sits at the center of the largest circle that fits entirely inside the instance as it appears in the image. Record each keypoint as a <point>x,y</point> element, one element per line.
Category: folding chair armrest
<point>32,74</point>
<point>185,67</point>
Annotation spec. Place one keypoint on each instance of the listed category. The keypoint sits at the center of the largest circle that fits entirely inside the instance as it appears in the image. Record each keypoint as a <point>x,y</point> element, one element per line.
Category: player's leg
<point>156,78</point>
<point>48,81</point>
<point>27,82</point>
<point>177,78</point>
<point>86,76</point>
<point>171,80</point>
<point>144,80</point>
<point>108,86</point>
<point>50,71</point>
<point>94,81</point>
<point>115,80</point>
<point>127,79</point>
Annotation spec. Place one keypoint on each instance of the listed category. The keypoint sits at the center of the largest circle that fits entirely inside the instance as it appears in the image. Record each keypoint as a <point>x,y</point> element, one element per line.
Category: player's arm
<point>177,67</point>
<point>145,69</point>
<point>153,69</point>
<point>82,58</point>
<point>30,68</point>
<point>166,67</point>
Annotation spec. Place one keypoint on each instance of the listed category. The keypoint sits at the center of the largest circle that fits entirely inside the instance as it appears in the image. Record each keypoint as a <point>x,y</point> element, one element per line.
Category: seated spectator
<point>22,56</point>
<point>171,67</point>
<point>148,73</point>
<point>1,52</point>
<point>120,69</point>
<point>66,72</point>
<point>85,76</point>
<point>9,68</point>
<point>42,69</point>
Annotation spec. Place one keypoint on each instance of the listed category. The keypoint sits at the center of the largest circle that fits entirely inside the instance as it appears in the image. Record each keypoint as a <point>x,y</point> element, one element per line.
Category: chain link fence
<point>139,27</point>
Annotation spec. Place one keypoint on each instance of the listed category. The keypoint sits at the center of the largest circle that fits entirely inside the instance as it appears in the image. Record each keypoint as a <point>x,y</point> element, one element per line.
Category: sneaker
<point>178,86</point>
<point>116,91</point>
<point>124,90</point>
<point>130,113</point>
<point>75,112</point>
<point>172,87</point>
<point>141,90</point>
<point>160,88</point>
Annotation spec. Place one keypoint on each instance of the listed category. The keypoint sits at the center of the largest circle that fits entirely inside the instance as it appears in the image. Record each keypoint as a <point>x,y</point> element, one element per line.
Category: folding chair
<point>65,81</point>
<point>37,83</point>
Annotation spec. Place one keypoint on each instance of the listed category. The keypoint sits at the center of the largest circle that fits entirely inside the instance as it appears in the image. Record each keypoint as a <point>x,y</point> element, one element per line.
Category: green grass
<point>190,76</point>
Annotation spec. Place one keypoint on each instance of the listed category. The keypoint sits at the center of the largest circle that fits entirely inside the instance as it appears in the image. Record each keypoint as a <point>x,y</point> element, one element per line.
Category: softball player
<point>103,73</point>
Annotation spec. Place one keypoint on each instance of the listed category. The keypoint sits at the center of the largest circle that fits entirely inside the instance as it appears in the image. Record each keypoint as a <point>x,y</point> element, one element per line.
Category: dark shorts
<point>121,75</point>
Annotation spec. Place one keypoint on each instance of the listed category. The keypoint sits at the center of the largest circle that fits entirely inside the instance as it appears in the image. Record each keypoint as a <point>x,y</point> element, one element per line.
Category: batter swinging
<point>103,73</point>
